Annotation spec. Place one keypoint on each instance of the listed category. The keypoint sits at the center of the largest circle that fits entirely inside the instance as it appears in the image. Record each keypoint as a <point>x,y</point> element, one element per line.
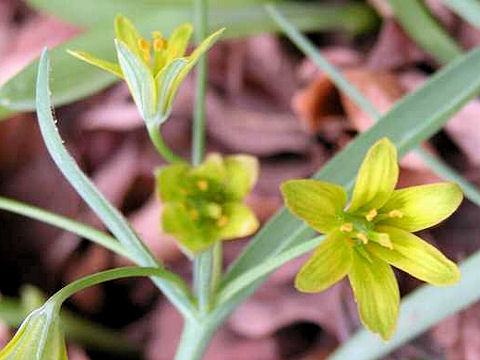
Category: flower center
<point>360,229</point>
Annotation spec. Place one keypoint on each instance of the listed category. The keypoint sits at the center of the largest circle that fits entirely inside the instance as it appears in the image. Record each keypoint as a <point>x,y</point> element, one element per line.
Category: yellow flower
<point>204,204</point>
<point>153,69</point>
<point>372,233</point>
<point>40,337</point>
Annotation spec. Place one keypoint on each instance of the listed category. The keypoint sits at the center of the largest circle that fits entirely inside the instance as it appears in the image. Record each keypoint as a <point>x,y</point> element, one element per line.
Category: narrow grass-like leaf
<point>467,9</point>
<point>112,218</point>
<point>75,79</point>
<point>425,30</point>
<point>65,223</point>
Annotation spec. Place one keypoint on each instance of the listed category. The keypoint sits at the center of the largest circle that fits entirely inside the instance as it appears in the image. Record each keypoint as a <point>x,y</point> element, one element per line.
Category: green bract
<point>153,72</point>
<point>203,204</point>
<point>372,233</point>
<point>40,337</point>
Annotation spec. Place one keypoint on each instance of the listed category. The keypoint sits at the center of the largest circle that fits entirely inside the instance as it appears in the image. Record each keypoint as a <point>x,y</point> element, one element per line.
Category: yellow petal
<point>376,293</point>
<point>330,263</point>
<point>422,206</point>
<point>126,32</point>
<point>178,40</point>
<point>238,221</point>
<point>242,174</point>
<point>416,257</point>
<point>102,64</point>
<point>318,203</point>
<point>376,178</point>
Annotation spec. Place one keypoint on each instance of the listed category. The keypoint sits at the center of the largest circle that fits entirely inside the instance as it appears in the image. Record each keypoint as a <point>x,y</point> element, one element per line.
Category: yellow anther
<point>174,51</point>
<point>159,44</point>
<point>395,214</point>
<point>222,221</point>
<point>346,227</point>
<point>384,240</point>
<point>144,47</point>
<point>202,185</point>
<point>157,35</point>
<point>371,214</point>
<point>194,215</point>
<point>363,238</point>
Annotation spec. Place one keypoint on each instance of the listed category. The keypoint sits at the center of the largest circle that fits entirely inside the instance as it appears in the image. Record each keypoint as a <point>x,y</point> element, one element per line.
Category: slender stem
<point>65,223</point>
<point>201,28</point>
<point>131,271</point>
<point>161,146</point>
<point>305,45</point>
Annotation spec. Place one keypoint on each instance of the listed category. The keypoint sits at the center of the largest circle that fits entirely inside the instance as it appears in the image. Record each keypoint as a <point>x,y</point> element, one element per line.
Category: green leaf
<point>416,257</point>
<point>425,30</point>
<point>112,218</point>
<point>75,80</point>
<point>468,9</point>
<point>422,206</point>
<point>318,203</point>
<point>376,293</point>
<point>376,178</point>
<point>329,263</point>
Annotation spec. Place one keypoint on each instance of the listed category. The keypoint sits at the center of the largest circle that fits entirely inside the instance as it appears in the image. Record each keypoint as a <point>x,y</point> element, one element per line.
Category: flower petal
<point>139,79</point>
<point>376,293</point>
<point>241,222</point>
<point>195,56</point>
<point>316,202</point>
<point>165,79</point>
<point>242,174</point>
<point>190,234</point>
<point>170,181</point>
<point>212,168</point>
<point>127,33</point>
<point>102,64</point>
<point>422,206</point>
<point>416,257</point>
<point>178,40</point>
<point>329,263</point>
<point>376,178</point>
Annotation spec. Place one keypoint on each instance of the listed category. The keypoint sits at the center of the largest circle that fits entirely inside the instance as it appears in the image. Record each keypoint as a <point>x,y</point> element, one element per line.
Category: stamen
<point>384,240</point>
<point>371,214</point>
<point>222,221</point>
<point>144,47</point>
<point>363,238</point>
<point>346,227</point>
<point>202,185</point>
<point>395,214</point>
<point>174,51</point>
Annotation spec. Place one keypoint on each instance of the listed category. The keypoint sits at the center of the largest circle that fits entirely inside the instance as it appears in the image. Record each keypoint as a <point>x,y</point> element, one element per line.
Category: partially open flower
<point>203,204</point>
<point>40,337</point>
<point>153,70</point>
<point>372,233</point>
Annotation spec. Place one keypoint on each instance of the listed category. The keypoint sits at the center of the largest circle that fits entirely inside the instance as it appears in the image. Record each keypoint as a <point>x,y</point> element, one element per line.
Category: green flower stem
<point>435,164</point>
<point>202,278</point>
<point>113,274</point>
<point>194,341</point>
<point>65,223</point>
<point>161,146</point>
<point>201,28</point>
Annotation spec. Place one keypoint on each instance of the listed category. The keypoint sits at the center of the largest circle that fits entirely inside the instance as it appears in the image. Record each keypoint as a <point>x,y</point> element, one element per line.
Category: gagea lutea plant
<point>204,205</point>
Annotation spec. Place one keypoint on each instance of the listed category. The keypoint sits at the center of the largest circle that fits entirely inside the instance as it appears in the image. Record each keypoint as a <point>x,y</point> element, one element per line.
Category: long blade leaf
<point>468,9</point>
<point>112,218</point>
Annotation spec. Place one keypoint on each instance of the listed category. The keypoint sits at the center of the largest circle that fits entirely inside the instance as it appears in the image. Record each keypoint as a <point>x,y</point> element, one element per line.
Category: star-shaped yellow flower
<point>153,70</point>
<point>373,232</point>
